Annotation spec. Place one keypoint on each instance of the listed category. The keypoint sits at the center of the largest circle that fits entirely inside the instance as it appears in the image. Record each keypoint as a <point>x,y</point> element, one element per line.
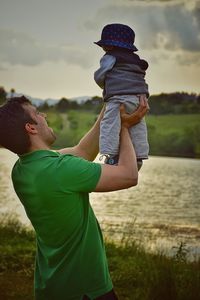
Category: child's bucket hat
<point>118,35</point>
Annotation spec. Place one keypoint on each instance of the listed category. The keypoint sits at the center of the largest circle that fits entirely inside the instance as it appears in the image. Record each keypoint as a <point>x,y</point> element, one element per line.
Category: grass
<point>75,125</point>
<point>139,275</point>
<point>17,251</point>
<point>173,123</point>
<point>169,135</point>
<point>55,120</point>
<point>174,135</point>
<point>81,121</point>
<point>136,274</point>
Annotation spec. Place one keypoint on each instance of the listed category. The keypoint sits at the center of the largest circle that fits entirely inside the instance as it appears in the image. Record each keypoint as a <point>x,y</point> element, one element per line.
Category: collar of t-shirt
<point>37,154</point>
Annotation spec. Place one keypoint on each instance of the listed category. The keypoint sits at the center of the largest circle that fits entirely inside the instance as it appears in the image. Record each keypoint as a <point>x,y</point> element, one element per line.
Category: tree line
<point>162,104</point>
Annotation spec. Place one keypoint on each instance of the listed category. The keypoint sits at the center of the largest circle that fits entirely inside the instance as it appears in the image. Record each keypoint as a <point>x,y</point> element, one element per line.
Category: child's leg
<point>138,135</point>
<point>110,130</point>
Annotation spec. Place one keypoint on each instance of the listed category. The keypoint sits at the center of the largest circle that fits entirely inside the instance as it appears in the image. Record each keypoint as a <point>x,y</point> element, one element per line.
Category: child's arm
<point>106,63</point>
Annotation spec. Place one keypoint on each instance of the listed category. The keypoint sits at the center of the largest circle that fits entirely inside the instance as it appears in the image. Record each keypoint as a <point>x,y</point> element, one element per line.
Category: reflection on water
<point>161,212</point>
<point>8,200</point>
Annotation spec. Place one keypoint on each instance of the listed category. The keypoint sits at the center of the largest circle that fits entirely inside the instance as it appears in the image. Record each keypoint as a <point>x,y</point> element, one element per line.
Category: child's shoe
<point>112,160</point>
<point>139,163</point>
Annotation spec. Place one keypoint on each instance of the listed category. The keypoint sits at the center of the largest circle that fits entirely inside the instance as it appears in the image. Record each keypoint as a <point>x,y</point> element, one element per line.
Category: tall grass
<point>136,274</point>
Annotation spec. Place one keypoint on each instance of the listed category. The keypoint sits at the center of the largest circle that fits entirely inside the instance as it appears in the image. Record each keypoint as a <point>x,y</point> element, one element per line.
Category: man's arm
<point>88,147</point>
<point>125,174</point>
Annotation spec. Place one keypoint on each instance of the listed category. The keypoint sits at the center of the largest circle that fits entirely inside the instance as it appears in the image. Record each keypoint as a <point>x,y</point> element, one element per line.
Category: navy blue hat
<point>117,35</point>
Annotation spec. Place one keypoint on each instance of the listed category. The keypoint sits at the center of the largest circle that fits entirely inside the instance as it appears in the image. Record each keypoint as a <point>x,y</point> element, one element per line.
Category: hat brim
<point>102,43</point>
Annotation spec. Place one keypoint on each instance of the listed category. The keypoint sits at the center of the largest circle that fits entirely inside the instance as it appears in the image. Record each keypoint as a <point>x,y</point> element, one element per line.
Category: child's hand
<point>128,120</point>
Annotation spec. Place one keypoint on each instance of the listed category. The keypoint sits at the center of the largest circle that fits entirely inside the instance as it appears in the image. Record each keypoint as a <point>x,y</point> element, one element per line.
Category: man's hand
<point>129,120</point>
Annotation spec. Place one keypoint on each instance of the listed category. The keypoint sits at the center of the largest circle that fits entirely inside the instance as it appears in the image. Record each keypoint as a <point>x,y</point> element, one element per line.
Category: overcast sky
<point>47,50</point>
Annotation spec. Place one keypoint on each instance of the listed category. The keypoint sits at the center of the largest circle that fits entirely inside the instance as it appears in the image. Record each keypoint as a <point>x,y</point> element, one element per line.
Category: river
<point>161,213</point>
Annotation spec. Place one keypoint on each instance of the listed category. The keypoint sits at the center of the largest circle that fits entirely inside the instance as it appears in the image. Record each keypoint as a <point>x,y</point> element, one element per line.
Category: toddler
<point>121,76</point>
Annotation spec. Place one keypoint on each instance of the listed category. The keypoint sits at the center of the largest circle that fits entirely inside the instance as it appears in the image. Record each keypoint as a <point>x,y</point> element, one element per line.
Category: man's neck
<point>39,146</point>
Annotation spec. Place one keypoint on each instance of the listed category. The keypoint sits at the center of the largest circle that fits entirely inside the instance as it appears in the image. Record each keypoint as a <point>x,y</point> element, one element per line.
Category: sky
<point>47,47</point>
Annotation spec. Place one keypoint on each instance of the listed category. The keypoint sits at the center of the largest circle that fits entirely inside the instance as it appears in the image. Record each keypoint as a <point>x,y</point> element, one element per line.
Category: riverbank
<point>136,274</point>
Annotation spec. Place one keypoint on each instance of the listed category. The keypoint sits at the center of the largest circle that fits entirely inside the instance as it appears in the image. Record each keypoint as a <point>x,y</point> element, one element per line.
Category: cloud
<point>172,26</point>
<point>2,68</point>
<point>188,59</point>
<point>151,0</point>
<point>18,48</point>
<point>157,1</point>
<point>174,58</point>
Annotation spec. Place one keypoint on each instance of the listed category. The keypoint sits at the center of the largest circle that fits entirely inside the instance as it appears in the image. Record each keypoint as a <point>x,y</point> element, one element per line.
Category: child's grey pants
<point>111,126</point>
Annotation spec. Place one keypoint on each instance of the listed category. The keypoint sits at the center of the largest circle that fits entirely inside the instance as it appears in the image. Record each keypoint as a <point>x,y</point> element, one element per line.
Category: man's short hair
<point>13,118</point>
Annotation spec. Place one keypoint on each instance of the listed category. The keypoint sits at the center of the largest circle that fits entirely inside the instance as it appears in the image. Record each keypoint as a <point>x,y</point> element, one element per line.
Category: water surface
<point>161,212</point>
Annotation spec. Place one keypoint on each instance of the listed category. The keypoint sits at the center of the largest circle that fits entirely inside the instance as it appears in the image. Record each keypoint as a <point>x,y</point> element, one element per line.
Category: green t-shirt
<point>70,258</point>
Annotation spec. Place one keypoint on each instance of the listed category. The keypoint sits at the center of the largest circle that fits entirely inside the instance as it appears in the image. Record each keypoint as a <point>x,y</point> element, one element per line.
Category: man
<point>54,188</point>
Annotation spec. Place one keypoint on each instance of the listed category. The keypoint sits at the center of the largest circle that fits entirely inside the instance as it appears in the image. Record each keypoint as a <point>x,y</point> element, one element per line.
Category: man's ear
<point>30,128</point>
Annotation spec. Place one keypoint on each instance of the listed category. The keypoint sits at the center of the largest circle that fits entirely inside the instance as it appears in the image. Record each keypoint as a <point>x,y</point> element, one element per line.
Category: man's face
<point>45,132</point>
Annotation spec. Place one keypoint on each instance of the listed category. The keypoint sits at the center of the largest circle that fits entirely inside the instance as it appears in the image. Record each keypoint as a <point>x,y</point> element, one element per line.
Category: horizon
<point>88,97</point>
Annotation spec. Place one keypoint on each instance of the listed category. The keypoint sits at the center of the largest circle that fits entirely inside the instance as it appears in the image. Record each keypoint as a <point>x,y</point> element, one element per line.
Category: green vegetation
<point>74,125</point>
<point>55,121</point>
<point>174,135</point>
<point>173,122</point>
<point>136,274</point>
<point>175,103</point>
<point>169,135</point>
<point>17,250</point>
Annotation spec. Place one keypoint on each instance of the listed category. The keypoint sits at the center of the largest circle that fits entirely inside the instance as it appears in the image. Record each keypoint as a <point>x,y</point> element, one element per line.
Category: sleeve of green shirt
<point>76,174</point>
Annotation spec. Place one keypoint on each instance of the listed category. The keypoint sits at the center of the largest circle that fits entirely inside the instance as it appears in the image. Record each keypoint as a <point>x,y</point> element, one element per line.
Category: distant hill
<point>81,99</point>
<point>50,101</point>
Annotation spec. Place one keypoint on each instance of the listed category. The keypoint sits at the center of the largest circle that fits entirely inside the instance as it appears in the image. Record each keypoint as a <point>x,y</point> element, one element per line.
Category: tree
<point>3,95</point>
<point>12,92</point>
<point>63,105</point>
<point>44,106</point>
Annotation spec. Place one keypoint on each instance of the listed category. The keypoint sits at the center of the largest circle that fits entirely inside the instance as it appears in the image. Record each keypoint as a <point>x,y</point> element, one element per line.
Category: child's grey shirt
<point>120,78</point>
